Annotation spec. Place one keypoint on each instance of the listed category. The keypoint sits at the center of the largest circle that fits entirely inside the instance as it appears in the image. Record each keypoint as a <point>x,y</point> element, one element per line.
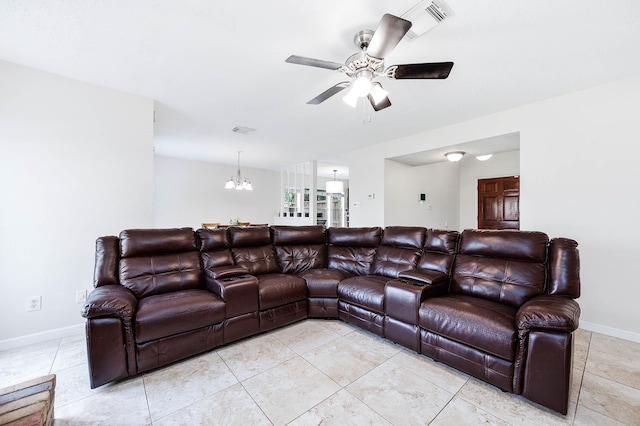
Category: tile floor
<point>324,372</point>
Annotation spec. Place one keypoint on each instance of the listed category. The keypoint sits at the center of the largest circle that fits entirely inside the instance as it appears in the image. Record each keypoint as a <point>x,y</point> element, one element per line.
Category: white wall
<point>76,162</point>
<point>366,177</point>
<point>403,186</point>
<point>188,193</point>
<point>499,165</point>
<point>576,182</point>
<point>578,161</point>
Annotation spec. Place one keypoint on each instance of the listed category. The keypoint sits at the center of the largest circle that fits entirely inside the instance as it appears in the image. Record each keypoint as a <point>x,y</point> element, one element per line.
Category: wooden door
<point>499,203</point>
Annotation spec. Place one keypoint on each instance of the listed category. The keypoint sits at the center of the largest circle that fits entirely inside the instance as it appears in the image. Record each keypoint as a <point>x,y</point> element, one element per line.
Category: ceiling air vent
<point>243,130</point>
<point>426,15</point>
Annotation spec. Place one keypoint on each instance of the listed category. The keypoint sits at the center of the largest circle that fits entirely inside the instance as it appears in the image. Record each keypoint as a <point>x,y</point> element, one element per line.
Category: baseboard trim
<point>610,331</point>
<point>29,339</point>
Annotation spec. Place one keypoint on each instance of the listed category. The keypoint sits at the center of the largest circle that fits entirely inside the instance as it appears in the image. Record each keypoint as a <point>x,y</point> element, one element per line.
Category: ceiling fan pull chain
<point>366,118</point>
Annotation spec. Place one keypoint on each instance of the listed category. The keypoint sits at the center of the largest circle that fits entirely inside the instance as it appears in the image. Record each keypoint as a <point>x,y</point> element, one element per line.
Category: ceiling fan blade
<point>390,31</point>
<point>301,60</point>
<point>328,93</point>
<point>384,103</point>
<point>437,70</point>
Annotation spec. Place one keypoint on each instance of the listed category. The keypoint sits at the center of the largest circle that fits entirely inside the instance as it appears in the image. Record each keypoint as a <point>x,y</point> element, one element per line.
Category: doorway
<point>499,203</point>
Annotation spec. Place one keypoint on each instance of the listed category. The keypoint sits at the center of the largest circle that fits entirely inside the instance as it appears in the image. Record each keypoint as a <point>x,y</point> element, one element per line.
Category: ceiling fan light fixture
<point>484,157</point>
<point>378,93</point>
<point>351,98</point>
<point>362,84</point>
<point>454,156</point>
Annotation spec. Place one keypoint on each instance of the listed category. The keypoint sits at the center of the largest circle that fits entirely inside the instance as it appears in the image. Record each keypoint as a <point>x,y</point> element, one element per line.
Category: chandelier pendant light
<point>238,182</point>
<point>334,186</point>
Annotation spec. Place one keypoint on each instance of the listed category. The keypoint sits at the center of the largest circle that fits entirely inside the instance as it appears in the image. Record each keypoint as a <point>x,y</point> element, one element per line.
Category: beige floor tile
<point>72,384</point>
<point>231,406</point>
<point>355,360</point>
<point>304,336</point>
<point>177,386</point>
<point>587,417</point>
<point>576,384</point>
<point>580,356</point>
<point>622,366</point>
<point>436,372</point>
<point>27,362</point>
<point>511,408</point>
<point>376,344</point>
<point>290,389</point>
<point>255,355</point>
<point>613,345</point>
<point>460,412</point>
<point>582,337</point>
<point>121,404</point>
<point>399,395</point>
<point>337,326</point>
<point>340,409</point>
<point>71,352</point>
<point>615,400</point>
<point>203,390</point>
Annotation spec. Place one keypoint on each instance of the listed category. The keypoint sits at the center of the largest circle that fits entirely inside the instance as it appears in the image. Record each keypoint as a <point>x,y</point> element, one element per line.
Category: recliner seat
<point>362,296</point>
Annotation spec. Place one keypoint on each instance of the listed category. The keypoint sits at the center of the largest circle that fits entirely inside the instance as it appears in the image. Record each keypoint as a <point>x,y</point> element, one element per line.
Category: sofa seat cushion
<point>482,324</point>
<point>280,289</point>
<point>323,282</point>
<point>366,291</point>
<point>167,314</point>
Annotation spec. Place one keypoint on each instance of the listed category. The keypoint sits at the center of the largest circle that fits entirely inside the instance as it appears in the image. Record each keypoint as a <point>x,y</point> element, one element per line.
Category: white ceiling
<point>212,65</point>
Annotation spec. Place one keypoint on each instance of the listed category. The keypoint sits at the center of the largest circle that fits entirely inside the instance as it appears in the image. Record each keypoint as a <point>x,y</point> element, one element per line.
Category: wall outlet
<point>81,296</point>
<point>34,303</point>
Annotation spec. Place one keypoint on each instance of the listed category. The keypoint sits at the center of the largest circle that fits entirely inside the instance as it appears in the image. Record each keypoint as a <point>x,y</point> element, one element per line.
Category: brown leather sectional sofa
<point>498,305</point>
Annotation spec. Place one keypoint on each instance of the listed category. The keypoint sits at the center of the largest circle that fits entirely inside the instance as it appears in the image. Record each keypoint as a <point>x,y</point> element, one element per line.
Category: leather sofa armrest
<point>424,276</point>
<point>403,297</point>
<point>226,271</point>
<point>549,312</point>
<point>239,292</point>
<point>110,301</point>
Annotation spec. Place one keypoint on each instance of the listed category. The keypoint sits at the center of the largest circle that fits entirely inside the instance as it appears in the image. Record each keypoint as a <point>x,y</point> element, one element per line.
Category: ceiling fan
<point>368,64</point>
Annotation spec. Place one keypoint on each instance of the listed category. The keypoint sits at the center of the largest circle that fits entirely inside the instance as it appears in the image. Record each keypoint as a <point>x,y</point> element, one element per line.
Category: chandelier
<point>334,186</point>
<point>238,182</point>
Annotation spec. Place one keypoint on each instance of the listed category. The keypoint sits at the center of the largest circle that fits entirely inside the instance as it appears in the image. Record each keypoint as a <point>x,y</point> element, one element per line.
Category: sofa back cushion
<point>439,250</point>
<point>156,261</point>
<point>352,249</point>
<point>251,248</point>
<point>299,248</point>
<point>398,251</point>
<point>214,247</point>
<point>505,266</point>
